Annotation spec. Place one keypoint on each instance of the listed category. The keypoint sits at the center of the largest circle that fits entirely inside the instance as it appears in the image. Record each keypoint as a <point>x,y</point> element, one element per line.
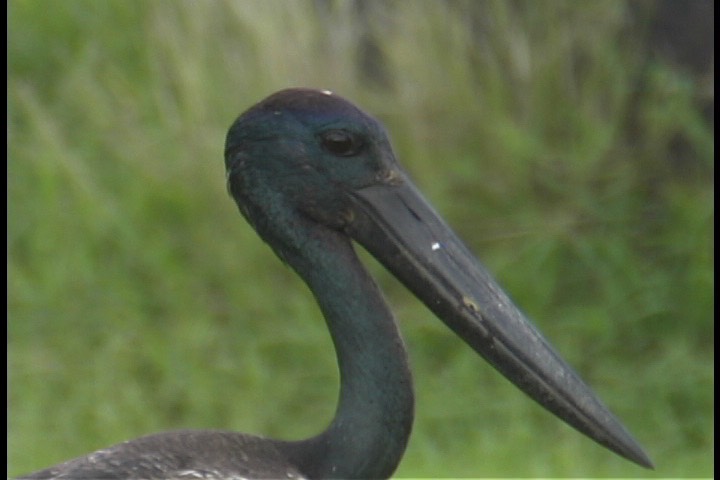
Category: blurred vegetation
<point>572,153</point>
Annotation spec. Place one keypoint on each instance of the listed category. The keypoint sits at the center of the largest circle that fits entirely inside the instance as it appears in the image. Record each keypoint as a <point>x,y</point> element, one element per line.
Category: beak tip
<point>642,459</point>
<point>630,449</point>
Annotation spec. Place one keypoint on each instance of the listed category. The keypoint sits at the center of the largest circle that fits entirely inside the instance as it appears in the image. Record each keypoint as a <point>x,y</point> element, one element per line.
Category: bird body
<point>311,172</point>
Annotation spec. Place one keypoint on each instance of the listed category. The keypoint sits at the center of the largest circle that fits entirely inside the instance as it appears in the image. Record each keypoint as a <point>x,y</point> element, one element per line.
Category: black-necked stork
<point>311,172</point>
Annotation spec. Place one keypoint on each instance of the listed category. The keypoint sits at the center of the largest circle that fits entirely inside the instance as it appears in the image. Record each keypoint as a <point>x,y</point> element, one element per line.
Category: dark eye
<point>340,142</point>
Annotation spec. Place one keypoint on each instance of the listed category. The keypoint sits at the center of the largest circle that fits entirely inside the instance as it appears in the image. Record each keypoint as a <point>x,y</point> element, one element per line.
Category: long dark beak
<point>399,228</point>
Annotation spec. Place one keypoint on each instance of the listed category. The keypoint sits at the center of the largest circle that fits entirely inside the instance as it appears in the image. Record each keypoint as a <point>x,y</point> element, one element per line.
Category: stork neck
<point>371,427</point>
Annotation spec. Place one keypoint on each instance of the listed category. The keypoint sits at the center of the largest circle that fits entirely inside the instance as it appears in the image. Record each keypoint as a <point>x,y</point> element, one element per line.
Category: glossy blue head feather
<point>304,150</point>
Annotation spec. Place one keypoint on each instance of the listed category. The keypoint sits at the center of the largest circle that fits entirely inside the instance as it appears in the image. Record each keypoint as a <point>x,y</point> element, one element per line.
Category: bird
<point>314,175</point>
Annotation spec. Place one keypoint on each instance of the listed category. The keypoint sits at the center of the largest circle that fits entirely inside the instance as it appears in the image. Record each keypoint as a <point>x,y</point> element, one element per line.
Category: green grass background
<point>140,301</point>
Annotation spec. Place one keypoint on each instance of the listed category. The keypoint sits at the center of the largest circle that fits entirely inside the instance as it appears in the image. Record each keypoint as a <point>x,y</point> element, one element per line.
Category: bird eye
<point>340,142</point>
